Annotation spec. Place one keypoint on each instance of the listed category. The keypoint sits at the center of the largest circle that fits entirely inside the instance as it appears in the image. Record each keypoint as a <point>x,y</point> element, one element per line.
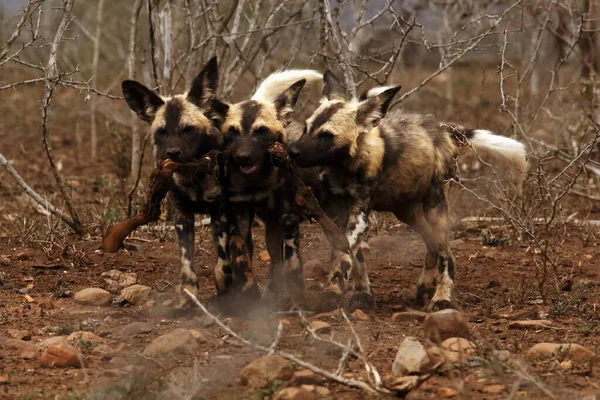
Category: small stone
<point>93,297</point>
<point>81,338</point>
<point>179,341</point>
<point>320,327</point>
<point>4,380</point>
<point>322,391</point>
<point>445,324</point>
<point>502,355</point>
<point>409,316</point>
<point>53,341</point>
<point>359,315</point>
<point>29,298</point>
<point>566,364</point>
<point>7,286</point>
<point>23,290</point>
<point>458,349</point>
<point>47,304</point>
<point>455,243</point>
<point>264,370</point>
<point>294,393</point>
<point>134,328</point>
<point>167,303</point>
<point>314,269</point>
<point>411,358</point>
<point>445,393</point>
<point>136,294</point>
<point>23,255</point>
<point>334,314</point>
<point>571,351</point>
<point>149,305</point>
<point>492,389</point>
<point>307,377</point>
<point>26,350</point>
<point>61,356</point>
<point>117,280</point>
<point>205,321</point>
<point>20,334</point>
<point>104,351</point>
<point>383,243</point>
<point>531,324</point>
<point>198,336</point>
<point>264,256</point>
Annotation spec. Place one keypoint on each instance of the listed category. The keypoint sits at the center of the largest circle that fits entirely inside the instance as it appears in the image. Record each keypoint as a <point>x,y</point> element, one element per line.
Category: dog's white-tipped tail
<point>507,151</point>
<point>279,82</point>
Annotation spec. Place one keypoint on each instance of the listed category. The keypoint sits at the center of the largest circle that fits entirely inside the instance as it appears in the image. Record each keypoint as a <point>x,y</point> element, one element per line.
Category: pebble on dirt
<point>445,324</point>
<point>137,295</point>
<point>445,393</point>
<point>62,355</point>
<point>20,334</point>
<point>320,326</point>
<point>409,316</point>
<point>411,358</point>
<point>117,280</point>
<point>93,297</point>
<point>179,341</point>
<point>570,351</point>
<point>359,315</point>
<point>531,324</point>
<point>133,329</point>
<point>26,350</point>
<point>264,370</point>
<point>458,349</point>
<point>78,337</point>
<point>307,377</point>
<point>295,393</point>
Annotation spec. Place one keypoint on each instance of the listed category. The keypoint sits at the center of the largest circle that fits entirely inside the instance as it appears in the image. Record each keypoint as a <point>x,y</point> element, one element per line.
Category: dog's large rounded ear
<point>143,101</point>
<point>285,102</point>
<point>332,88</point>
<point>205,84</point>
<point>375,106</point>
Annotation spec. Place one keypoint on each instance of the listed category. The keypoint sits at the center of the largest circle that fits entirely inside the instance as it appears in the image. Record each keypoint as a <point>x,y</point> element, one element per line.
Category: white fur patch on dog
<point>279,82</point>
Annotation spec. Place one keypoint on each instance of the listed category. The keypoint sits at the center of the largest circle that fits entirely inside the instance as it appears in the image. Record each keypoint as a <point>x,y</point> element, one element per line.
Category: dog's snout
<point>173,153</point>
<point>243,157</point>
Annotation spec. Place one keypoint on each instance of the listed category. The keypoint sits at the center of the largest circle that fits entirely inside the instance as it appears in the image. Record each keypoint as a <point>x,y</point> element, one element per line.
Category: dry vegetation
<point>75,159</point>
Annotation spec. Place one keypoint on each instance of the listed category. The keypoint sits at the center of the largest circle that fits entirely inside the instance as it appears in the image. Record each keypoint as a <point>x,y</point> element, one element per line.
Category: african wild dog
<point>399,164</point>
<point>184,128</point>
<point>253,181</point>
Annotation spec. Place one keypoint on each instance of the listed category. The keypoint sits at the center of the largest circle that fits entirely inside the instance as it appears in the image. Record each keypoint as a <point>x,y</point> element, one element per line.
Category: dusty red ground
<point>494,286</point>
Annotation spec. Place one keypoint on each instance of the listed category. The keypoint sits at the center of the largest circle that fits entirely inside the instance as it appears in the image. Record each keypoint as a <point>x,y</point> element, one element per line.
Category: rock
<point>26,350</point>
<point>334,314</point>
<point>179,341</point>
<point>47,304</point>
<point>322,391</point>
<point>455,243</point>
<point>307,377</point>
<point>571,351</point>
<point>502,355</point>
<point>149,305</point>
<point>320,327</point>
<point>531,324</point>
<point>492,389</point>
<point>264,370</point>
<point>411,357</point>
<point>23,290</point>
<point>445,324</point>
<point>294,393</point>
<point>61,355</point>
<point>136,294</point>
<point>4,380</point>
<point>445,393</point>
<point>264,256</point>
<point>168,303</point>
<point>134,328</point>
<point>93,297</point>
<point>457,349</point>
<point>406,316</point>
<point>198,336</point>
<point>314,269</point>
<point>566,364</point>
<point>359,315</point>
<point>83,339</point>
<point>20,334</point>
<point>117,280</point>
<point>104,351</point>
<point>383,243</point>
<point>53,341</point>
<point>7,286</point>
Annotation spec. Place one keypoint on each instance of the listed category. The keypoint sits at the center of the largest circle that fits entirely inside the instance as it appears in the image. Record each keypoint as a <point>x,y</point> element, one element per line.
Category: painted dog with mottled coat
<point>398,163</point>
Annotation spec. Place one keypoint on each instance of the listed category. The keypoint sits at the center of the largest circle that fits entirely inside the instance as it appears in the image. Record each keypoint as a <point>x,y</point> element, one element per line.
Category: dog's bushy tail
<point>280,81</point>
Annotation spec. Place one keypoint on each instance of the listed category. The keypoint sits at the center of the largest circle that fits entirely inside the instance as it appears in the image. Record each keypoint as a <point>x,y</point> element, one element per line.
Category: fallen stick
<point>161,181</point>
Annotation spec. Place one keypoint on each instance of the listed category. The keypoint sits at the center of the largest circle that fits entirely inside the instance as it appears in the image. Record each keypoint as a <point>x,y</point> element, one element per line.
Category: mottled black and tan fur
<point>184,128</point>
<point>254,184</point>
<point>396,162</point>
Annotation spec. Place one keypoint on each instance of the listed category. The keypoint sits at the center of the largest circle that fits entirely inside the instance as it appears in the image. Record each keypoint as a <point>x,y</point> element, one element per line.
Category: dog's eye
<point>261,131</point>
<point>187,130</point>
<point>161,132</point>
<point>326,135</point>
<point>233,131</point>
